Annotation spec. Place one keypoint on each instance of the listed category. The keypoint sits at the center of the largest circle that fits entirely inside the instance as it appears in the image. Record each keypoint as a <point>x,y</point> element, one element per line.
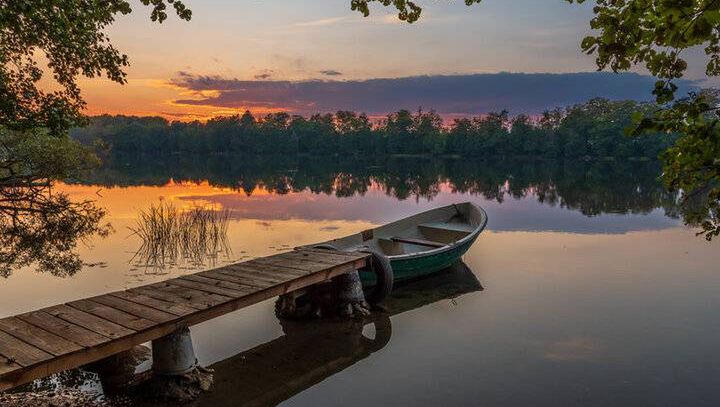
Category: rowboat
<point>421,244</point>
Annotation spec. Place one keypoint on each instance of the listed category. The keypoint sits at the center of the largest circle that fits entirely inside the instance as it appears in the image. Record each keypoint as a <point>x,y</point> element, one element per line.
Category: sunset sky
<point>269,55</point>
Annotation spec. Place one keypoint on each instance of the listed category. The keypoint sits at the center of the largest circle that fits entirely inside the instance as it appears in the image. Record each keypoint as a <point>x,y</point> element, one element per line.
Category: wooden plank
<point>271,269</point>
<point>197,296</point>
<point>194,298</point>
<point>352,256</point>
<point>268,271</point>
<point>21,352</point>
<point>288,266</point>
<point>158,304</point>
<point>208,288</point>
<point>63,329</point>
<point>291,259</point>
<point>289,263</point>
<point>334,254</point>
<point>167,296</point>
<point>419,242</point>
<point>89,321</point>
<point>359,259</point>
<point>222,283</point>
<point>111,314</point>
<point>274,259</point>
<point>324,258</point>
<point>138,310</point>
<point>260,274</point>
<point>237,278</point>
<point>296,274</point>
<point>336,257</point>
<point>7,366</point>
<point>40,338</point>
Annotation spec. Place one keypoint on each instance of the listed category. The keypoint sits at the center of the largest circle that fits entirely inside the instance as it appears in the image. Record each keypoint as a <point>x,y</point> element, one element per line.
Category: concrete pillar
<point>173,354</point>
<point>341,296</point>
<point>177,376</point>
<point>117,372</point>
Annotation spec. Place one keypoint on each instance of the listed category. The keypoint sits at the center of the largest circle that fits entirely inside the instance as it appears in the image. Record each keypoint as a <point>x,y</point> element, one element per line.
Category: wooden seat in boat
<point>419,242</point>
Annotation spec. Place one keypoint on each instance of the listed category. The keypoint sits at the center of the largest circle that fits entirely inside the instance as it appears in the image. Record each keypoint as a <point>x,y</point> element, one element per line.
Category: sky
<point>308,56</point>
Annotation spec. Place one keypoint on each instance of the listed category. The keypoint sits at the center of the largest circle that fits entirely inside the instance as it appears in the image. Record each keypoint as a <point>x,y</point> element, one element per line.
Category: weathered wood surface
<point>418,242</point>
<point>65,336</point>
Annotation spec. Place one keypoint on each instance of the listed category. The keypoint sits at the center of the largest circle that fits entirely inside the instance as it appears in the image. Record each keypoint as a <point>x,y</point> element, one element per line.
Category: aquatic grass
<point>171,235</point>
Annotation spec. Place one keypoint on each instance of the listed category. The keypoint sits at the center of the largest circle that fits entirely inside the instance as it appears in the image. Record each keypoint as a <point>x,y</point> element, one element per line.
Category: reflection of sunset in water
<point>558,287</point>
<point>264,222</point>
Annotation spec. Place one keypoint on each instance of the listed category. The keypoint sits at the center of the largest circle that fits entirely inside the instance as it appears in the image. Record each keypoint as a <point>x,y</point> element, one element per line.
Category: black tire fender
<point>380,265</point>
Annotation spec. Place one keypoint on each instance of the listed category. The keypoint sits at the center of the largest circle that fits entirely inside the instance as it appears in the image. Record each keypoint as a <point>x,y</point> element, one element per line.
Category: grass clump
<point>172,235</point>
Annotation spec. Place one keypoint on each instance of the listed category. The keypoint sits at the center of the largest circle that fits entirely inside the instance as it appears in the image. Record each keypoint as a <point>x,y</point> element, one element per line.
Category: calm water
<point>586,288</point>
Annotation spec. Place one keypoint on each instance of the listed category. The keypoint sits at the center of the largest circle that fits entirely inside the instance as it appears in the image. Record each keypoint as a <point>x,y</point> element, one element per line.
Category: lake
<point>585,289</point>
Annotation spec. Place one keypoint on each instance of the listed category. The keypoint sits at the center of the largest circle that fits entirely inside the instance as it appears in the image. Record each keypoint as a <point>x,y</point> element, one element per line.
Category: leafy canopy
<point>68,37</point>
<point>407,10</point>
<point>654,34</point>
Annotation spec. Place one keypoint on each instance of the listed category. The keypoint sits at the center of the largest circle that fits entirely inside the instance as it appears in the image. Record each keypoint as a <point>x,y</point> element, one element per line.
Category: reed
<point>171,235</point>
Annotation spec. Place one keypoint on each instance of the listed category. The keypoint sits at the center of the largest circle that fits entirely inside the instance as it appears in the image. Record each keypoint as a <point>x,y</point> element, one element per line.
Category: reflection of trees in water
<point>697,209</point>
<point>591,187</point>
<point>43,227</point>
<point>39,225</point>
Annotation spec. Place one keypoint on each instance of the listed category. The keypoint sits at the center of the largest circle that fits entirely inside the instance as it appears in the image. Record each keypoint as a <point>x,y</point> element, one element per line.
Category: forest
<point>596,129</point>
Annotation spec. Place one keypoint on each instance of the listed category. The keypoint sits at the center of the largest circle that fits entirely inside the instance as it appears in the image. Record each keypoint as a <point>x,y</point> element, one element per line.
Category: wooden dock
<point>61,337</point>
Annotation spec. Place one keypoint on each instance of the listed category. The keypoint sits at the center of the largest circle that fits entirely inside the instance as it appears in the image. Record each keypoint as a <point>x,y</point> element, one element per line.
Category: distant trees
<point>592,129</point>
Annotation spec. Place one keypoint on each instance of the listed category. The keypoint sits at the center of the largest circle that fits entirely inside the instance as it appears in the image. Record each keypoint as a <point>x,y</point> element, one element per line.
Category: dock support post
<point>117,372</point>
<point>173,354</point>
<point>351,299</point>
<point>177,374</point>
<point>341,296</point>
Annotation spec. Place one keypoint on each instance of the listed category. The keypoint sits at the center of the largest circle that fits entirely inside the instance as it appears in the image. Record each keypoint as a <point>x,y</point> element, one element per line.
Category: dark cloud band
<point>331,72</point>
<point>447,94</point>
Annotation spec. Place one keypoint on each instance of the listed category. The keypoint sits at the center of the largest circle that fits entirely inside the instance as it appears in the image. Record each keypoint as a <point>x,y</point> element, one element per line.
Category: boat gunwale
<point>469,238</point>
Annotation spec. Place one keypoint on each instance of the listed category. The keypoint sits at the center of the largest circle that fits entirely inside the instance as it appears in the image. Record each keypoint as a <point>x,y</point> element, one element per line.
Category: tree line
<point>596,128</point>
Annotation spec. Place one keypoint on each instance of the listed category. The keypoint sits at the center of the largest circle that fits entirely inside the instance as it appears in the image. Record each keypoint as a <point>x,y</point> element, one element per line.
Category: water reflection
<point>41,227</point>
<point>590,187</point>
<point>310,352</point>
<point>556,195</point>
<point>172,236</point>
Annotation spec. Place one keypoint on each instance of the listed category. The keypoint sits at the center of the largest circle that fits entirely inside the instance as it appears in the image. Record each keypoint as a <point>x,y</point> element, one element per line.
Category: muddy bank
<point>59,398</point>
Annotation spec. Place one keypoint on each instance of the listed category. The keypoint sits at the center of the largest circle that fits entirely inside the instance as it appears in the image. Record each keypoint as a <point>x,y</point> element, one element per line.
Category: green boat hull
<point>410,268</point>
